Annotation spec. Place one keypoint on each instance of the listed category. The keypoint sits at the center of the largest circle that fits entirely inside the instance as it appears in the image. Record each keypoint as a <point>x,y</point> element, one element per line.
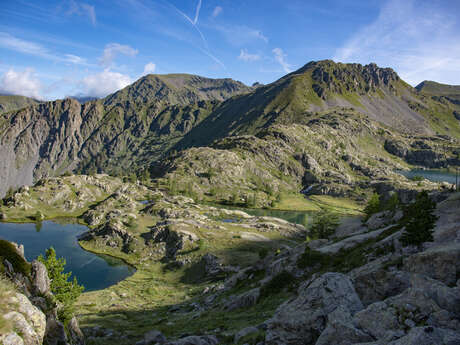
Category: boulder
<point>340,330</point>
<point>75,334</point>
<point>245,332</point>
<point>153,337</point>
<point>55,332</point>
<point>302,320</point>
<point>40,279</point>
<point>441,263</point>
<point>244,300</point>
<point>11,339</point>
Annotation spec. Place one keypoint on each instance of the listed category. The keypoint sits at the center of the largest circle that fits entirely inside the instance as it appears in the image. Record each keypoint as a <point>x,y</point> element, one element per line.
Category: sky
<point>55,49</point>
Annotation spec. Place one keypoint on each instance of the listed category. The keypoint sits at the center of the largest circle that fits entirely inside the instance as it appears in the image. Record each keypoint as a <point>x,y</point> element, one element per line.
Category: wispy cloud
<point>245,56</point>
<point>111,50</point>
<point>240,35</point>
<point>32,48</point>
<point>194,22</point>
<point>82,9</point>
<point>24,83</point>
<point>280,57</point>
<point>419,40</point>
<point>217,10</point>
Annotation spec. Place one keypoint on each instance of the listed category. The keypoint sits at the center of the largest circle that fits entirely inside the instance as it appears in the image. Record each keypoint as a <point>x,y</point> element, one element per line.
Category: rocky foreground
<point>397,295</point>
<point>207,275</point>
<point>29,313</point>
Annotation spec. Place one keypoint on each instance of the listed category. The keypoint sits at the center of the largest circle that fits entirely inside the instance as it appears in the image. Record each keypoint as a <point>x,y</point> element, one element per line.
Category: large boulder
<point>302,320</point>
<point>27,320</point>
<point>40,279</point>
<point>441,263</point>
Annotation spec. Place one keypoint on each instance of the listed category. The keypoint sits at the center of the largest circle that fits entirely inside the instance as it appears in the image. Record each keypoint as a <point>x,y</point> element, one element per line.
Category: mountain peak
<point>178,88</point>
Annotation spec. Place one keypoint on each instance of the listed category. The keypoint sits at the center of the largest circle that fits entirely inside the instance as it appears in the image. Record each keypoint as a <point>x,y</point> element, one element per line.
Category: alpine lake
<point>97,271</point>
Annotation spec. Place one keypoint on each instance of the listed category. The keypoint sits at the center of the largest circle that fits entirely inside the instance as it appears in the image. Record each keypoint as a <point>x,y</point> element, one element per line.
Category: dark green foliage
<point>311,257</point>
<point>282,280</point>
<point>8,252</point>
<point>417,178</point>
<point>65,292</point>
<point>324,224</point>
<point>419,220</point>
<point>373,206</point>
<point>392,203</point>
<point>263,252</point>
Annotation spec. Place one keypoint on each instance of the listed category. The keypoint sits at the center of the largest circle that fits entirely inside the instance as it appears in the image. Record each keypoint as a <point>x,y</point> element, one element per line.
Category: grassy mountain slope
<point>325,85</point>
<point>12,102</point>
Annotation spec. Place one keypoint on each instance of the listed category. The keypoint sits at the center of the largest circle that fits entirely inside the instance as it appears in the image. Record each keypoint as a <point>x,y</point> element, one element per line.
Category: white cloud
<point>82,9</point>
<point>104,83</point>
<point>218,10</point>
<point>111,50</point>
<point>149,68</point>
<point>245,56</point>
<point>419,40</point>
<point>280,57</point>
<point>24,83</point>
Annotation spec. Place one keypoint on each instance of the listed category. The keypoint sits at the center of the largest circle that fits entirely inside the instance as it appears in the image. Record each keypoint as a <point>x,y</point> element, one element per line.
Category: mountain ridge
<point>133,128</point>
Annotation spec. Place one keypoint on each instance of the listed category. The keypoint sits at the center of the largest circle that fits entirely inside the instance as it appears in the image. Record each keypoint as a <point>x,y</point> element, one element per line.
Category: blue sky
<point>54,49</point>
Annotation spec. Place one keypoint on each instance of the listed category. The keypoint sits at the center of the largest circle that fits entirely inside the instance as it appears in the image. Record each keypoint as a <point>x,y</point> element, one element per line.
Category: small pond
<point>432,175</point>
<point>94,271</point>
<point>298,217</point>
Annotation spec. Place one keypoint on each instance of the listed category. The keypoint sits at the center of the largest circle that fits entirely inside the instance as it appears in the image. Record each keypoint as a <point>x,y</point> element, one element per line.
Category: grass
<point>6,290</point>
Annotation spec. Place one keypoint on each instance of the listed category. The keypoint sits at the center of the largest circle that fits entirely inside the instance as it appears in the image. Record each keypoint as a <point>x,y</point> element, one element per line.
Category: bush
<point>263,252</point>
<point>392,203</point>
<point>66,292</point>
<point>311,257</point>
<point>373,206</point>
<point>324,224</point>
<point>419,220</point>
<point>277,284</point>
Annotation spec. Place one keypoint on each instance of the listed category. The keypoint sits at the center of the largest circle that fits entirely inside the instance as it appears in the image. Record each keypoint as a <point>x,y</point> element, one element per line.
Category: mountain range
<point>143,126</point>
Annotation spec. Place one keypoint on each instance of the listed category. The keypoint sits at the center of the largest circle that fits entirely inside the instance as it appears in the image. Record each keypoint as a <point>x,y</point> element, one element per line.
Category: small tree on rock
<point>419,220</point>
<point>65,292</point>
<point>324,224</point>
<point>373,206</point>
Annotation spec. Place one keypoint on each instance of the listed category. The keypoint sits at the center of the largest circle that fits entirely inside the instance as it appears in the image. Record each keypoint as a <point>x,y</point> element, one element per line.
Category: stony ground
<point>226,277</point>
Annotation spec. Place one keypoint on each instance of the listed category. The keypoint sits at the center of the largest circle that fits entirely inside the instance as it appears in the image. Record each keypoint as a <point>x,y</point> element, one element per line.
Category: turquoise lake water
<point>94,271</point>
<point>432,175</point>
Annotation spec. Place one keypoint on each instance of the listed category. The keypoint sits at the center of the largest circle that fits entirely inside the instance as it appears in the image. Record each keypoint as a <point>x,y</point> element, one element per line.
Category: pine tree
<point>419,220</point>
<point>65,292</point>
<point>324,224</point>
<point>373,206</point>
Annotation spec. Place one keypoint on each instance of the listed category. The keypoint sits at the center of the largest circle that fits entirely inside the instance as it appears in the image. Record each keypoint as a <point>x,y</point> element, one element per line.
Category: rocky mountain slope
<point>143,120</point>
<point>137,128</point>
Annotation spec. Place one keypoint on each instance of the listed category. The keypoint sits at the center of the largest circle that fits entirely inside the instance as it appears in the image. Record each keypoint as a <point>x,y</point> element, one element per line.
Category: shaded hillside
<point>144,119</point>
<point>12,102</point>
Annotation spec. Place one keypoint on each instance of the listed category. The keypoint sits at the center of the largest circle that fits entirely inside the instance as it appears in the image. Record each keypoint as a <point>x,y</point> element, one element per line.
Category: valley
<point>211,191</point>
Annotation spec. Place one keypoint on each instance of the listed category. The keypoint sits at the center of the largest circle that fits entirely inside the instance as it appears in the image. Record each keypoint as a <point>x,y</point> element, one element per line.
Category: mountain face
<point>144,119</point>
<point>134,128</point>
<point>320,86</point>
<point>13,102</point>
